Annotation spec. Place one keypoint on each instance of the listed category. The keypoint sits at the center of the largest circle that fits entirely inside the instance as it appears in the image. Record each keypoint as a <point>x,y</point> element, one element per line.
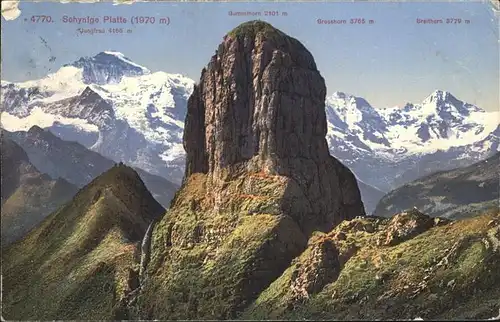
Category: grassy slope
<point>448,272</point>
<point>208,265</point>
<point>79,262</point>
<point>239,261</point>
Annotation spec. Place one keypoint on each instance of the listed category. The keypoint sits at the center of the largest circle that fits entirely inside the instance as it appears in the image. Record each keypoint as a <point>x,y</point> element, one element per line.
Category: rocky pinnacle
<point>260,107</point>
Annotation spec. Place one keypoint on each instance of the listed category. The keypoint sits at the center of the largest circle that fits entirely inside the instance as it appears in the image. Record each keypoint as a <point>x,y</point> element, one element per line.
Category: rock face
<point>259,180</point>
<point>260,107</point>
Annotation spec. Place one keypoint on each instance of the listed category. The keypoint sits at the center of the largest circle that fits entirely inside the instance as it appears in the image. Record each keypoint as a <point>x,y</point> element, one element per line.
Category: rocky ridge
<point>399,268</point>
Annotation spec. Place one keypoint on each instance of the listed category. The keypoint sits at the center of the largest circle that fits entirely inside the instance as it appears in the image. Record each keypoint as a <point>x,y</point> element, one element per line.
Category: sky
<point>390,62</point>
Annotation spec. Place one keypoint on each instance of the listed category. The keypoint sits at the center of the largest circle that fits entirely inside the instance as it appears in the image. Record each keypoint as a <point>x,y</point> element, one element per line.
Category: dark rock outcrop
<point>407,225</point>
<point>260,107</point>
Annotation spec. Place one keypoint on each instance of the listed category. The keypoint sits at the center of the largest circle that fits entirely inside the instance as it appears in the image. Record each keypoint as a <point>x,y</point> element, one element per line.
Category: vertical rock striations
<point>259,180</point>
<point>259,107</point>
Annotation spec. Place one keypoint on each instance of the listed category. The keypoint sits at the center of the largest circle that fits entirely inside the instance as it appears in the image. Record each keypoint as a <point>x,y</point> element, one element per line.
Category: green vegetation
<point>254,27</point>
<point>229,248</point>
<point>448,272</point>
<point>210,264</point>
<point>245,260</point>
<point>79,263</point>
<point>251,29</point>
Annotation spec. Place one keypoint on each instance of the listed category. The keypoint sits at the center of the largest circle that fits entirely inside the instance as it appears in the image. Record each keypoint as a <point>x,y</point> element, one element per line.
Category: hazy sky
<point>390,62</point>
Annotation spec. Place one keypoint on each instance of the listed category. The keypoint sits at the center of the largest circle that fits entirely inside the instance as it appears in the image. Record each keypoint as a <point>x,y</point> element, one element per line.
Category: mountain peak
<point>341,95</point>
<point>89,94</point>
<point>437,96</point>
<point>346,102</point>
<point>117,174</point>
<point>269,143</point>
<point>100,229</point>
<point>445,102</point>
<point>108,67</point>
<point>258,167</point>
<point>126,185</point>
<point>114,53</point>
<point>35,129</point>
<point>270,38</point>
<point>254,27</point>
<point>36,134</point>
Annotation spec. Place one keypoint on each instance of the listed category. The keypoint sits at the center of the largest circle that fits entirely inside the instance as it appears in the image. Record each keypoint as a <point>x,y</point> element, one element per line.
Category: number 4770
<point>41,18</point>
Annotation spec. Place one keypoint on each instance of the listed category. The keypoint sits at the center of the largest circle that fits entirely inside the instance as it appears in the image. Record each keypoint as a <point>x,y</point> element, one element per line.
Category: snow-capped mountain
<point>108,67</point>
<point>439,123</point>
<point>110,105</point>
<point>127,113</point>
<point>402,144</point>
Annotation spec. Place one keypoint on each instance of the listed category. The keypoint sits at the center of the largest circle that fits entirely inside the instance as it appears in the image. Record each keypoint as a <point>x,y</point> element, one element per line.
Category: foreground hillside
<point>27,196</point>
<point>452,194</point>
<point>400,268</point>
<point>81,261</point>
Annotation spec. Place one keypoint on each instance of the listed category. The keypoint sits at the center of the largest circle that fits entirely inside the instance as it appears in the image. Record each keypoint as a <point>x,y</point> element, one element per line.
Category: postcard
<point>250,160</point>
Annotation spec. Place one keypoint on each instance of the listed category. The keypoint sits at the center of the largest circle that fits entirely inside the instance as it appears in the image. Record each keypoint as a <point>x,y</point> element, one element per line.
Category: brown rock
<point>259,107</point>
<point>406,225</point>
<point>340,236</point>
<point>321,267</point>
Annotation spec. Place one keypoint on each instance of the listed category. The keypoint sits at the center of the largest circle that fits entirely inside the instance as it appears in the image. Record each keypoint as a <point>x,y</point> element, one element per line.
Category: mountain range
<point>403,144</point>
<point>127,113</point>
<point>76,164</point>
<point>454,194</point>
<point>110,106</point>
